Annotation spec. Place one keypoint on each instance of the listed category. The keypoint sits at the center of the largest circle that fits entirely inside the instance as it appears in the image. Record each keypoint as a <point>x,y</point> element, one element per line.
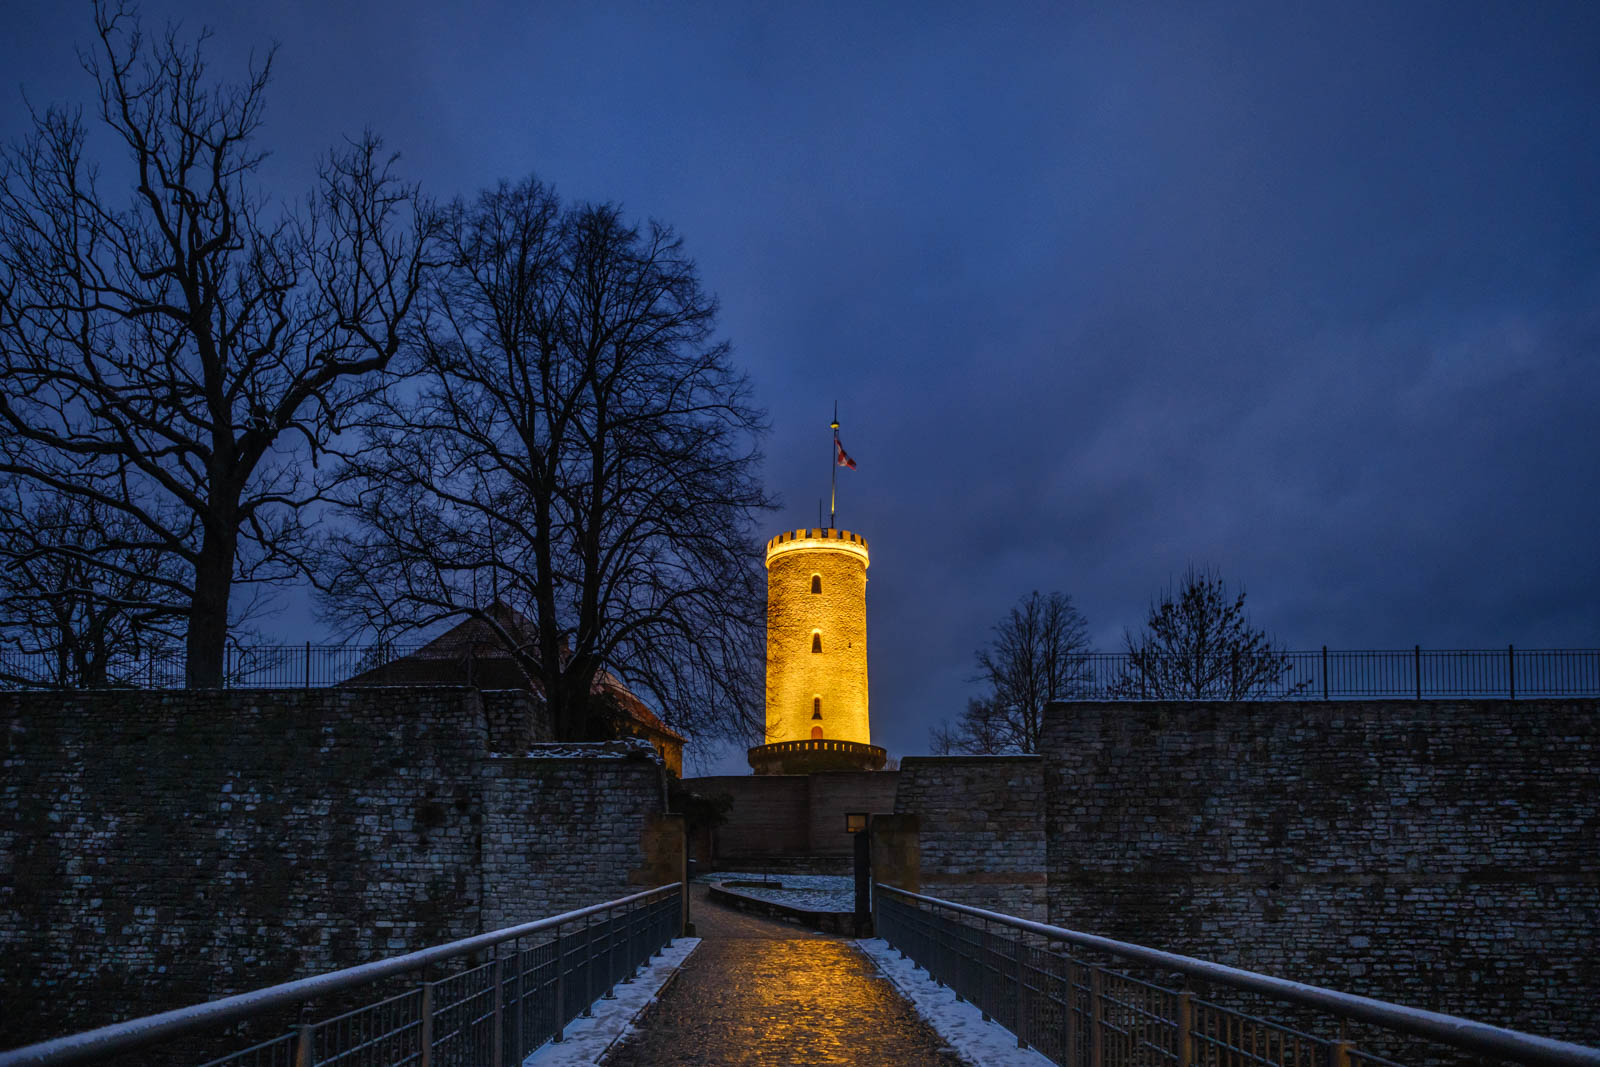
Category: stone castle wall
<point>160,849</point>
<point>768,818</point>
<point>516,720</point>
<point>1444,855</point>
<point>833,793</point>
<point>792,814</point>
<point>980,829</point>
<point>561,833</point>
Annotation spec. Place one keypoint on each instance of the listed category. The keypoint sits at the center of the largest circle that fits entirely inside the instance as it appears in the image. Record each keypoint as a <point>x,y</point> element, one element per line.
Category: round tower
<point>816,655</point>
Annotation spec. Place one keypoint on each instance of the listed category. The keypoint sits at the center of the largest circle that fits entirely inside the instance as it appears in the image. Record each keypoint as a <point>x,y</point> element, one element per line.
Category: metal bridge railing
<point>1076,1010</point>
<point>498,996</point>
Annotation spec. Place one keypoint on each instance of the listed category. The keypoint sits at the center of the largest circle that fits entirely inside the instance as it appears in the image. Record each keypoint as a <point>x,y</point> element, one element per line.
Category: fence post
<point>561,994</point>
<point>630,967</point>
<point>1324,672</point>
<point>303,1054</point>
<point>308,664</point>
<point>983,973</point>
<point>426,1039</point>
<point>1022,992</point>
<point>1416,663</point>
<point>518,1038</point>
<point>497,1051</point>
<point>1097,1039</point>
<point>1185,1029</point>
<point>611,956</point>
<point>1511,665</point>
<point>1069,1036</point>
<point>588,970</point>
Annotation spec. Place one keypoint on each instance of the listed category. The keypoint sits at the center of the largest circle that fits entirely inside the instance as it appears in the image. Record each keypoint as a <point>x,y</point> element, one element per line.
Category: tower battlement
<point>825,539</point>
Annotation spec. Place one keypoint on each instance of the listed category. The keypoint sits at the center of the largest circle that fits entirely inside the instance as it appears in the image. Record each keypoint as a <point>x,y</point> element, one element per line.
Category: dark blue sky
<point>1309,294</point>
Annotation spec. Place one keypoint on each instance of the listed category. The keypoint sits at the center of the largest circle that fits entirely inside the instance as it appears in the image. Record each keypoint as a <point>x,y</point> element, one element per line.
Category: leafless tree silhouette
<point>179,357</point>
<point>1198,644</point>
<point>572,445</point>
<point>85,601</point>
<point>1039,654</point>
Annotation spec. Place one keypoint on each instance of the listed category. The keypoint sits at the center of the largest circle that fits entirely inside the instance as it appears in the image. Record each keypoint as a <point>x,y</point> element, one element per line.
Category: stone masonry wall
<point>981,838</point>
<point>1438,854</point>
<point>560,833</point>
<point>160,849</point>
<point>792,815</point>
<point>769,814</point>
<point>832,794</point>
<point>516,720</point>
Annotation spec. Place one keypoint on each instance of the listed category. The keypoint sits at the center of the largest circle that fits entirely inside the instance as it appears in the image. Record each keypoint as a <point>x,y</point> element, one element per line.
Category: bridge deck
<point>759,991</point>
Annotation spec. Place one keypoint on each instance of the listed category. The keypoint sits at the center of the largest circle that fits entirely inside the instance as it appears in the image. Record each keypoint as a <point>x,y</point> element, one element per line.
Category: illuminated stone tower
<point>816,655</point>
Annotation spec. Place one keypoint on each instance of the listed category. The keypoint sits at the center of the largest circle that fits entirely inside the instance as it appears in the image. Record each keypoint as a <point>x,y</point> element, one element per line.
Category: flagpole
<point>833,469</point>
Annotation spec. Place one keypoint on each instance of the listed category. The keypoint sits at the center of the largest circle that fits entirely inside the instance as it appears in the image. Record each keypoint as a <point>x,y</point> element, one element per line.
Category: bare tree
<point>1198,644</point>
<point>83,602</point>
<point>176,361</point>
<point>978,732</point>
<point>574,446</point>
<point>1039,655</point>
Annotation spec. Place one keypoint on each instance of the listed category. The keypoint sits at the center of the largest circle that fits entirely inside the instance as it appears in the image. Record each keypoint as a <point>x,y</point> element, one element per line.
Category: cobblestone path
<point>758,991</point>
<point>718,921</point>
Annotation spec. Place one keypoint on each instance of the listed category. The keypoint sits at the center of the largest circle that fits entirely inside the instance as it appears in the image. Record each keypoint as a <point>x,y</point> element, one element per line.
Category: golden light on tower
<point>817,637</point>
<point>817,704</point>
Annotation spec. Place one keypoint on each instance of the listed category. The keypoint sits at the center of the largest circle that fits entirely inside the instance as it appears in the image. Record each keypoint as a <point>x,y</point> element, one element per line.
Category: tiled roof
<point>475,639</point>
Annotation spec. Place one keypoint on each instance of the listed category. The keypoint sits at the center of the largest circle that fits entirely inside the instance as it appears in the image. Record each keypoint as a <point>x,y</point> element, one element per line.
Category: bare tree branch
<point>83,594</point>
<point>1038,655</point>
<point>573,445</point>
<point>1198,644</point>
<point>178,360</point>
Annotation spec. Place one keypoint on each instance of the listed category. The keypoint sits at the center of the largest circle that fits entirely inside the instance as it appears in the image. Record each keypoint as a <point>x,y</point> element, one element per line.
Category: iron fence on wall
<point>263,666</point>
<point>1321,674</point>
<point>1351,674</point>
<point>1054,989</point>
<point>492,1000</point>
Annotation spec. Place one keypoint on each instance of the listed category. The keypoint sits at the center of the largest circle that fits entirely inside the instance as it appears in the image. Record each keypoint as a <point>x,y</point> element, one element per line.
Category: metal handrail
<point>1465,1034</point>
<point>91,1045</point>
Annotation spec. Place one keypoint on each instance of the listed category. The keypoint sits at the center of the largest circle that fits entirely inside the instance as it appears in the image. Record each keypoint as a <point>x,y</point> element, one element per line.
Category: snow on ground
<point>958,1022</point>
<point>790,881</point>
<point>803,899</point>
<point>808,892</point>
<point>586,1040</point>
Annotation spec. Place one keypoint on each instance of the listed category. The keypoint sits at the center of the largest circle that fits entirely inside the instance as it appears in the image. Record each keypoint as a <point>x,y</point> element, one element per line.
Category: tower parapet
<point>816,654</point>
<point>830,540</point>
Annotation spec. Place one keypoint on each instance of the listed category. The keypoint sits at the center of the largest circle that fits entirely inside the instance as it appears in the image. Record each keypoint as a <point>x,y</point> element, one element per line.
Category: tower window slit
<point>816,641</point>
<point>816,707</point>
<point>816,583</point>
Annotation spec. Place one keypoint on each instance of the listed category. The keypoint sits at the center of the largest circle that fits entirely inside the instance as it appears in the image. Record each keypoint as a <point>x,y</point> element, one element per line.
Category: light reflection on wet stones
<point>760,992</point>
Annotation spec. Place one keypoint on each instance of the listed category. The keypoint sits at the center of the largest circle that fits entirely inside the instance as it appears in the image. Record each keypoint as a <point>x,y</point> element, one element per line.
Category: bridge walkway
<point>759,991</point>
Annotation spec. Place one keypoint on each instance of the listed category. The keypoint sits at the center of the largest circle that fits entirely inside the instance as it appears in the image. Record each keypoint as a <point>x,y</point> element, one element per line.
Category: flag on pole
<point>841,457</point>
